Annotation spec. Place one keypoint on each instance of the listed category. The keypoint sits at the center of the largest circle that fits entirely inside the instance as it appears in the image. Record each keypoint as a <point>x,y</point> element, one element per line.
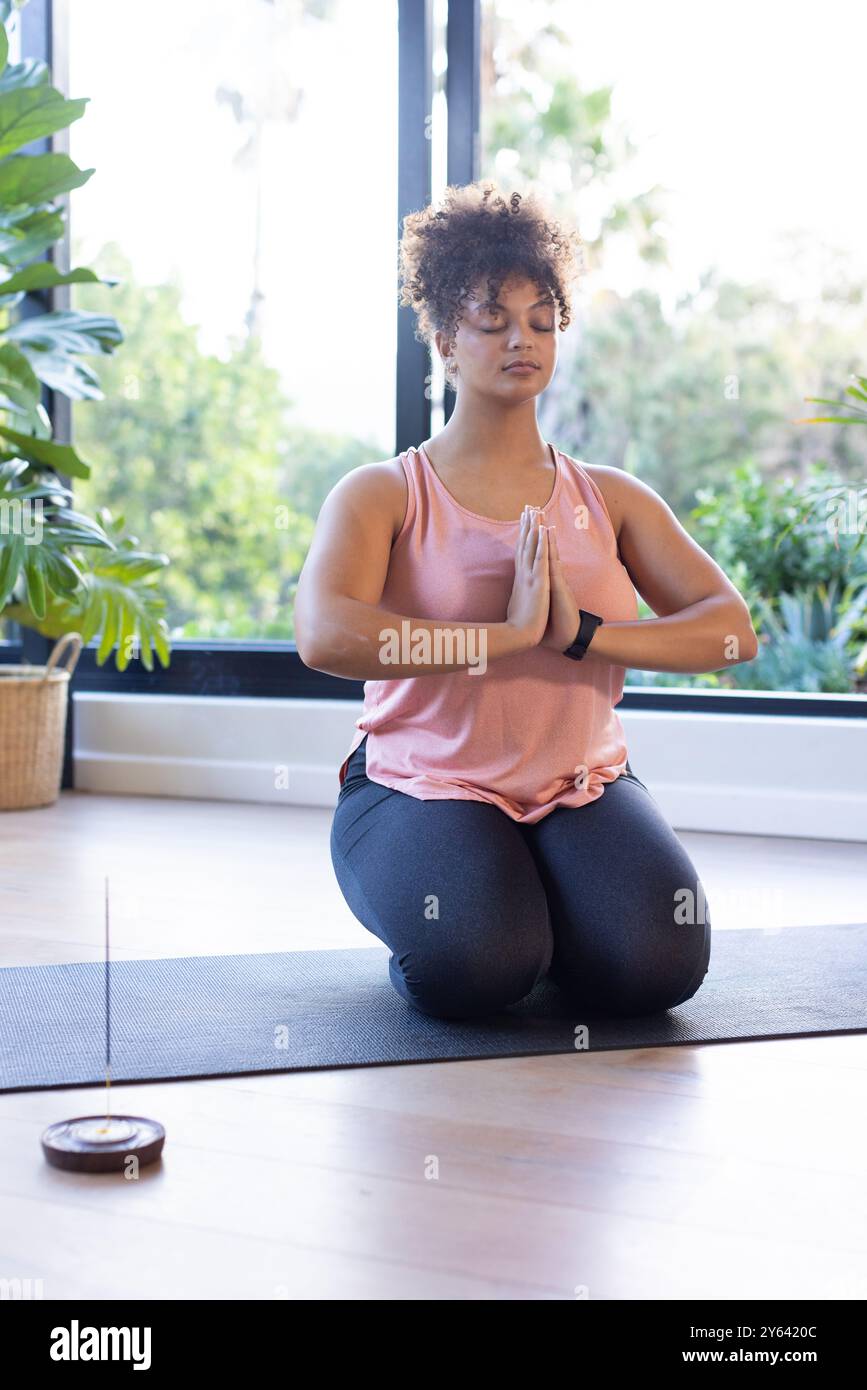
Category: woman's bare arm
<point>705,625</point>
<point>340,629</point>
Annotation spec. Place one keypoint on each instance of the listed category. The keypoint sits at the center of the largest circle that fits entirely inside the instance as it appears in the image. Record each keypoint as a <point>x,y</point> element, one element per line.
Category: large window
<point>252,163</point>
<point>245,199</point>
<point>710,163</point>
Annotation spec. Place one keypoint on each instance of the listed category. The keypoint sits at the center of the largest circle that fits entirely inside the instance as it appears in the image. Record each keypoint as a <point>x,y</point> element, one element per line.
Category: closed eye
<point>538,328</point>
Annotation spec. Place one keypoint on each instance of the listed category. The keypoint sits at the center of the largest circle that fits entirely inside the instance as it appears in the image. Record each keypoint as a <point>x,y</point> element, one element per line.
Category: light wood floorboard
<point>726,1171</point>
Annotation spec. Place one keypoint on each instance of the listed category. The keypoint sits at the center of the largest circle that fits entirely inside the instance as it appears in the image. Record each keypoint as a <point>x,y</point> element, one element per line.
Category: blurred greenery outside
<point>202,457</point>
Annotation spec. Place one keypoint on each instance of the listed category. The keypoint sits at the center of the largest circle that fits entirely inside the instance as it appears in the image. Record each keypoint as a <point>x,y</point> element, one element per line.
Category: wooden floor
<point>729,1170</point>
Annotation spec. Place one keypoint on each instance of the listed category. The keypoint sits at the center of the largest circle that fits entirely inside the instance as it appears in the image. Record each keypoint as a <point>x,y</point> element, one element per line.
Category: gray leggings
<point>476,908</point>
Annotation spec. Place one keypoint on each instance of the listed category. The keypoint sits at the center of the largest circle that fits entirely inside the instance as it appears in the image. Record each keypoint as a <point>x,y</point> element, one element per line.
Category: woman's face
<point>520,325</point>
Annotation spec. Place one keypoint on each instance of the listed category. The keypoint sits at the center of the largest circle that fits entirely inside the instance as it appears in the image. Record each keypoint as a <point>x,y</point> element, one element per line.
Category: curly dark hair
<point>476,231</point>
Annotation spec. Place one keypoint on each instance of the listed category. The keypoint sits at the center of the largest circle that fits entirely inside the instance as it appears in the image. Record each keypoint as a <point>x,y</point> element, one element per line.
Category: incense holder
<point>102,1144</point>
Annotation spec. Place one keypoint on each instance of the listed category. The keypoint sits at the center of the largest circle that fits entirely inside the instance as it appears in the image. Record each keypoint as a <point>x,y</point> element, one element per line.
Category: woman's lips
<point>521,369</point>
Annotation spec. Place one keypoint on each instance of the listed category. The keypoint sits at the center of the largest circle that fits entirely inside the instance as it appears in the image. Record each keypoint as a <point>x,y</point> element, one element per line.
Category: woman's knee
<point>450,887</point>
<point>701,966</point>
<point>689,956</point>
<point>655,959</point>
<point>478,969</point>
<point>630,919</point>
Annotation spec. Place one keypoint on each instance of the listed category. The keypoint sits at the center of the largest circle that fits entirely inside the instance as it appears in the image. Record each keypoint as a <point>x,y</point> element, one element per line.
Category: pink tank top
<point>534,730</point>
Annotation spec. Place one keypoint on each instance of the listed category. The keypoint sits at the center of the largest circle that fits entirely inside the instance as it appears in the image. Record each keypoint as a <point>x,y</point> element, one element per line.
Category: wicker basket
<point>33,702</point>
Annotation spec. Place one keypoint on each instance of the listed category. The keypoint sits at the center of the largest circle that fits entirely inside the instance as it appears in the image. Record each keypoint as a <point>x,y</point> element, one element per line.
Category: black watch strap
<point>589,624</point>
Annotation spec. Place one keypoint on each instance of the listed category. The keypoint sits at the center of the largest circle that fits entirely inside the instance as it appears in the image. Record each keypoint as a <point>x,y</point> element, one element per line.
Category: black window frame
<point>274,670</point>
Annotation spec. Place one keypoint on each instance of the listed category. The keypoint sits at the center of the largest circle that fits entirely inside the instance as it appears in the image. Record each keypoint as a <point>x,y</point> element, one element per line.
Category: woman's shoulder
<point>380,486</point>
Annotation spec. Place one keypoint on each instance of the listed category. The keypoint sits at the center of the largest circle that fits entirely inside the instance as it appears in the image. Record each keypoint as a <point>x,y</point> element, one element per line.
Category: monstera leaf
<point>59,570</point>
<point>37,531</point>
<point>115,595</point>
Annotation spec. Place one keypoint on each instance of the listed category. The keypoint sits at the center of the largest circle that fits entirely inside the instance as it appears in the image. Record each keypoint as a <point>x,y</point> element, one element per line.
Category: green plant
<point>772,532</point>
<point>59,570</point>
<point>836,497</point>
<point>806,641</point>
<point>807,591</point>
<point>860,416</point>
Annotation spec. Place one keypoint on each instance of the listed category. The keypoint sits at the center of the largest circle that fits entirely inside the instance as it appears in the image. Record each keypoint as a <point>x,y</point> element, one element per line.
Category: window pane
<point>245,197</point>
<point>711,165</point>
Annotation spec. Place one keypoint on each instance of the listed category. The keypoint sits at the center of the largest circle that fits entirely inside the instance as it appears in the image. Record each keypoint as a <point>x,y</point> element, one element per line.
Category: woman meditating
<point>489,828</point>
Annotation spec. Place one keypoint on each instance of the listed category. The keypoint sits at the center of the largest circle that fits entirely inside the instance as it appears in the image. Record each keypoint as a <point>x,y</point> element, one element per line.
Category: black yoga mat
<point>197,1016</point>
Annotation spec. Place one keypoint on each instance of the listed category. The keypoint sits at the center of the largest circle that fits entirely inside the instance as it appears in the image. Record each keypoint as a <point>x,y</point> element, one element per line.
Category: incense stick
<point>91,1144</point>
<point>107,1014</point>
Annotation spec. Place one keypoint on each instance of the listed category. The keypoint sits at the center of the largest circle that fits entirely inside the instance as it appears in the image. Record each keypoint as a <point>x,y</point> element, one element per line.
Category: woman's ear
<point>441,344</point>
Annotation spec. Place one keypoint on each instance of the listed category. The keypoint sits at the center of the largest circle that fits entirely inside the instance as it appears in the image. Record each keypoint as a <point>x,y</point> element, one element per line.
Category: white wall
<point>754,774</point>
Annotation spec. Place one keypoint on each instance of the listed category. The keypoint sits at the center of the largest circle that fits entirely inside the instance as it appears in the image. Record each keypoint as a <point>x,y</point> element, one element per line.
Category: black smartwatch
<point>589,624</point>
